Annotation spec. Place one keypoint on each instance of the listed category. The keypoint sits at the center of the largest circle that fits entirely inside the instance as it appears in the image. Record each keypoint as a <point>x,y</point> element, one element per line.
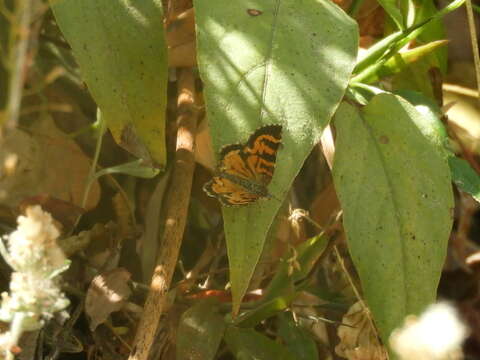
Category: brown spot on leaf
<point>254,12</point>
<point>384,139</point>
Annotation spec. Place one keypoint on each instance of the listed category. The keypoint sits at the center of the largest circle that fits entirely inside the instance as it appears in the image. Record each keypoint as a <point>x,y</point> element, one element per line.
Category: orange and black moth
<point>245,170</point>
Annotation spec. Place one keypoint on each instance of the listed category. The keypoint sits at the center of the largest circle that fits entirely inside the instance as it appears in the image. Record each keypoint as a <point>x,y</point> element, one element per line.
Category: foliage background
<point>402,118</point>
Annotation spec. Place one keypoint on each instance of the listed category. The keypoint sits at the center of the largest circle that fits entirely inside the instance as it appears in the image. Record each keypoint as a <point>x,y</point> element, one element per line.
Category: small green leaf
<point>376,55</point>
<point>390,6</point>
<point>465,177</point>
<point>247,344</point>
<point>297,339</point>
<point>415,78</point>
<point>200,332</point>
<point>264,311</point>
<point>121,50</point>
<point>433,31</point>
<point>395,189</point>
<point>402,60</point>
<point>256,73</point>
<point>308,253</point>
<point>134,168</point>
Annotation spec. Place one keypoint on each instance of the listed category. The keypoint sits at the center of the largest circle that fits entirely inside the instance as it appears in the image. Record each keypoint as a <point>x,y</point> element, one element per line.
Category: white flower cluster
<point>36,260</point>
<point>436,335</point>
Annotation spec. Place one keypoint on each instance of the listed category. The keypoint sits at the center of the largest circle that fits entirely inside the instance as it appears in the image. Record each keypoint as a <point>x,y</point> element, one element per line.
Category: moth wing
<point>228,193</point>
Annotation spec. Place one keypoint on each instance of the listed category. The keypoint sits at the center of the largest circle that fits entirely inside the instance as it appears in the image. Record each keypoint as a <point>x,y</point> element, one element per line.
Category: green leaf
<point>133,168</point>
<point>433,31</point>
<point>308,253</point>
<point>256,72</point>
<point>377,54</point>
<point>402,60</point>
<point>297,339</point>
<point>465,177</point>
<point>395,189</point>
<point>415,77</point>
<point>264,311</point>
<point>429,123</point>
<point>200,332</point>
<point>247,344</point>
<point>120,47</point>
<point>390,6</point>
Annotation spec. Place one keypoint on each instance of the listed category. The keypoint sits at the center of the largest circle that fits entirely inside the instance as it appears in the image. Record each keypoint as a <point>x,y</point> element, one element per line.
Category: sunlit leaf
<point>395,189</point>
<point>120,47</point>
<point>376,55</point>
<point>256,72</point>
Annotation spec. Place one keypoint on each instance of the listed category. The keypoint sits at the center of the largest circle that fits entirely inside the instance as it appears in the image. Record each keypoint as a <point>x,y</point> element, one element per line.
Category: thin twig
<point>459,89</point>
<point>18,60</point>
<point>474,39</point>
<point>364,306</point>
<point>176,203</point>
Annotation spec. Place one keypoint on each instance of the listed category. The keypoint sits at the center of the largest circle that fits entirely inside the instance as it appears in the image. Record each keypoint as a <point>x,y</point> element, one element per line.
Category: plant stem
<point>18,59</point>
<point>474,40</point>
<point>176,203</point>
<point>93,167</point>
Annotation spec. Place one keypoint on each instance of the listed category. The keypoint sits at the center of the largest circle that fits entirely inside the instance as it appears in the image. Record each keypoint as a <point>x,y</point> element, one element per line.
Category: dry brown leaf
<point>124,216</point>
<point>107,293</point>
<point>325,206</point>
<point>371,19</point>
<point>464,114</point>
<point>181,40</point>
<point>62,211</point>
<point>47,162</point>
<point>148,240</point>
<point>103,251</point>
<point>359,340</point>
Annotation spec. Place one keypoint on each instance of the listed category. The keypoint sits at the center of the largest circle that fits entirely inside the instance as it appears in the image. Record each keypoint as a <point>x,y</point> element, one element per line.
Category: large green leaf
<point>265,62</point>
<point>463,175</point>
<point>120,47</point>
<point>395,189</point>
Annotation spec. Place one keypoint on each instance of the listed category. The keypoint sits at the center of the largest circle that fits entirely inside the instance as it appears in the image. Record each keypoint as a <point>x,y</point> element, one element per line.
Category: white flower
<point>34,291</point>
<point>32,247</point>
<point>436,335</point>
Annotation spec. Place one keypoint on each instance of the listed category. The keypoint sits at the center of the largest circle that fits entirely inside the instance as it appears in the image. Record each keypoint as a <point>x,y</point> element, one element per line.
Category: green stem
<point>355,7</point>
<point>474,40</point>
<point>16,330</point>
<point>93,168</point>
